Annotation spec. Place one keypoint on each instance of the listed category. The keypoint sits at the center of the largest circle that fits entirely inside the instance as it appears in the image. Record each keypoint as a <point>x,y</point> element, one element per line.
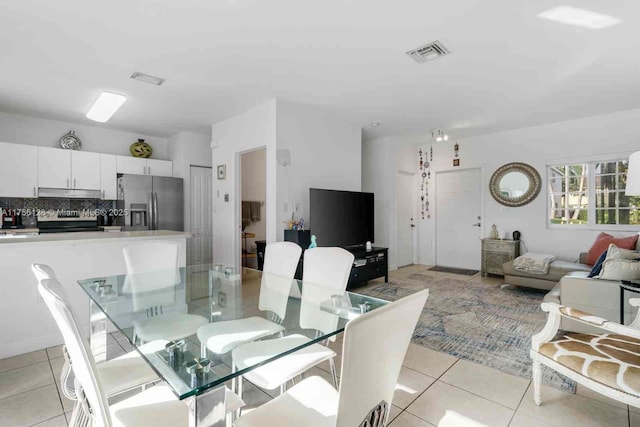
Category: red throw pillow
<point>604,240</point>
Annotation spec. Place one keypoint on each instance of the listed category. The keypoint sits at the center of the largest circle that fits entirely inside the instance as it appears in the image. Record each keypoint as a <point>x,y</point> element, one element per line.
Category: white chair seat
<point>278,372</point>
<point>222,337</point>
<point>311,403</point>
<point>129,370</point>
<point>172,326</point>
<point>159,407</point>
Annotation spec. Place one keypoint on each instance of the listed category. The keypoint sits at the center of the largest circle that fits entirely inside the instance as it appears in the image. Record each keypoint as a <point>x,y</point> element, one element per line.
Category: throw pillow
<point>597,267</point>
<point>614,252</point>
<point>620,269</point>
<point>604,240</point>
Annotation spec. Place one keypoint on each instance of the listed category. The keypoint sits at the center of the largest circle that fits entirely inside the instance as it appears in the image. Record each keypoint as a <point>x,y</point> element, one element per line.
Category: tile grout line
<point>519,403</point>
<point>425,390</point>
<point>55,384</point>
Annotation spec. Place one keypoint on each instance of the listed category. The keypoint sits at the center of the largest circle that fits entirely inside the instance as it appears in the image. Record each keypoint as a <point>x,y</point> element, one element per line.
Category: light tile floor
<point>434,389</point>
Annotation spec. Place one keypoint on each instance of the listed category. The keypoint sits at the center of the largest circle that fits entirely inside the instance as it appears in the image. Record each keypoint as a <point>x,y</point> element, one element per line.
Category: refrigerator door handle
<point>150,212</point>
<point>155,211</point>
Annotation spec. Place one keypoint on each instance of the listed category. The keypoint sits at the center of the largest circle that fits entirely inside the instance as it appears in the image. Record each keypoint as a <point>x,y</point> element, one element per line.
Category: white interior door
<point>458,209</point>
<point>201,244</point>
<point>406,218</point>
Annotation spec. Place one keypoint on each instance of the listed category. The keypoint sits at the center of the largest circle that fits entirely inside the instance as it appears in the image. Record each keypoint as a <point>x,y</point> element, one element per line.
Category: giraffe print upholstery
<point>609,359</point>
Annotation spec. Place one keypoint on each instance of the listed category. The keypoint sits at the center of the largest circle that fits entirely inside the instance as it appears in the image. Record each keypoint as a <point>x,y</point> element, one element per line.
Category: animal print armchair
<point>607,362</point>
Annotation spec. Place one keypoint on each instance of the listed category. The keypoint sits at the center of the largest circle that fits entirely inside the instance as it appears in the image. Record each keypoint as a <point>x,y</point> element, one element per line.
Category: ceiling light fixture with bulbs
<point>105,106</point>
<point>439,135</point>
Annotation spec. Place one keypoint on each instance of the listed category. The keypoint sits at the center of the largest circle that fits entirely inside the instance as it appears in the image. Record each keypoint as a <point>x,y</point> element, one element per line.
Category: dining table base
<point>208,409</point>
<point>98,332</point>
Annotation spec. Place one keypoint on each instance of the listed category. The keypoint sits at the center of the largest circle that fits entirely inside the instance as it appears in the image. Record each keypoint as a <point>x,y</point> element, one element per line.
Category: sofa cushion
<point>597,267</point>
<point>557,270</point>
<point>603,241</point>
<point>620,269</point>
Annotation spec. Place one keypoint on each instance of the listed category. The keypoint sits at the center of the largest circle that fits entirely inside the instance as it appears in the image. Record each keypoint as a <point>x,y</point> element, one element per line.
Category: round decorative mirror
<point>515,184</point>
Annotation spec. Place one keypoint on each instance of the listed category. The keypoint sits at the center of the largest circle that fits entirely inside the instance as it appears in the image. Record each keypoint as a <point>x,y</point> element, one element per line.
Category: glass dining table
<point>217,296</point>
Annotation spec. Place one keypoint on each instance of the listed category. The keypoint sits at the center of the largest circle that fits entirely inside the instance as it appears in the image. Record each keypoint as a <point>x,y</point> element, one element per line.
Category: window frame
<point>591,194</point>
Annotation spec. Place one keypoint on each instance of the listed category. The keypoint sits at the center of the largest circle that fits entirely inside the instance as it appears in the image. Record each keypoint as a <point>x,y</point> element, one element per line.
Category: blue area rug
<point>476,321</point>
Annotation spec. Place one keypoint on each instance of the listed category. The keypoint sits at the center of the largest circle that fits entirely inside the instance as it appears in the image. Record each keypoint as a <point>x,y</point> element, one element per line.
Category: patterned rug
<point>476,321</point>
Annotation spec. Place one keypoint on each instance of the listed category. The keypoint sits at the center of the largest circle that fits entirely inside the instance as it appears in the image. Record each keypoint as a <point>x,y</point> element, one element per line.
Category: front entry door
<point>458,222</point>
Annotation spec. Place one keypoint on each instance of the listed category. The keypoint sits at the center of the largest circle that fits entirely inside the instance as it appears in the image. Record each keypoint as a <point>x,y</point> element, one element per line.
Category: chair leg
<point>203,351</point>
<point>239,387</point>
<point>283,388</point>
<point>537,382</point>
<point>134,338</point>
<point>334,376</point>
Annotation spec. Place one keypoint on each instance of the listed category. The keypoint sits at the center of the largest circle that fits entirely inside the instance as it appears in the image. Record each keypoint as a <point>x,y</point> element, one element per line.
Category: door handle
<point>477,224</point>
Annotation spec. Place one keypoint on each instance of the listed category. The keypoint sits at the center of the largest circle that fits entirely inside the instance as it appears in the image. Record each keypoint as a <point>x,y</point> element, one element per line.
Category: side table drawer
<point>498,245</point>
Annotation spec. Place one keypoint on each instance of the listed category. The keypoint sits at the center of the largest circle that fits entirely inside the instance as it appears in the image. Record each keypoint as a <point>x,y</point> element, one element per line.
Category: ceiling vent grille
<point>428,52</point>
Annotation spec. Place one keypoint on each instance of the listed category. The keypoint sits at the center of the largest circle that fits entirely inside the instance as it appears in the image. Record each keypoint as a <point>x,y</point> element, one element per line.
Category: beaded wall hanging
<point>425,174</point>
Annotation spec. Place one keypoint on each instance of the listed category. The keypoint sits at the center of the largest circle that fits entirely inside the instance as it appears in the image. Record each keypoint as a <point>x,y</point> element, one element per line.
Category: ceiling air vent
<point>428,52</point>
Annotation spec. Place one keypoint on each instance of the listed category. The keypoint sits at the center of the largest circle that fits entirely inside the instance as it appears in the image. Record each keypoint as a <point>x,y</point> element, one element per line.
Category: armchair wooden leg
<point>537,382</point>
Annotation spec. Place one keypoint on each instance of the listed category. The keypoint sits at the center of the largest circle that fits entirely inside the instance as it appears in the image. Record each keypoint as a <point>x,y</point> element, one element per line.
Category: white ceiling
<point>507,69</point>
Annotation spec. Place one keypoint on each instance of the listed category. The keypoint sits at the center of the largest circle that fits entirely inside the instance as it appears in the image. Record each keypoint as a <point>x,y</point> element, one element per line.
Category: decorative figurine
<point>313,244</point>
<point>493,234</point>
<point>69,141</point>
<point>141,149</point>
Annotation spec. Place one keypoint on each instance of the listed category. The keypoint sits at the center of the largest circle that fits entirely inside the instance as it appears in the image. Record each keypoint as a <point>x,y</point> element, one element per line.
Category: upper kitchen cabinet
<point>54,168</point>
<point>59,168</point>
<point>132,165</point>
<point>138,166</point>
<point>18,170</point>
<point>108,176</point>
<point>159,167</point>
<point>85,170</point>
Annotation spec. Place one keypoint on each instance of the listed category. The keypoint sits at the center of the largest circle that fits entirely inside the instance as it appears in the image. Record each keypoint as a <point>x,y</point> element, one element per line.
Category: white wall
<point>381,160</point>
<point>325,153</point>
<point>20,129</point>
<point>186,149</point>
<point>252,129</point>
<point>254,172</point>
<point>615,134</point>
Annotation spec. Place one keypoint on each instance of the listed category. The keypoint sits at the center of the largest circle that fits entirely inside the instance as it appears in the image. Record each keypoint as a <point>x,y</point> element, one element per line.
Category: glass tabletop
<point>179,310</point>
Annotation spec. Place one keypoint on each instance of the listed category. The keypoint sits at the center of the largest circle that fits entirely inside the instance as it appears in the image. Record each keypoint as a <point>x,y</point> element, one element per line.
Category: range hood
<point>69,193</point>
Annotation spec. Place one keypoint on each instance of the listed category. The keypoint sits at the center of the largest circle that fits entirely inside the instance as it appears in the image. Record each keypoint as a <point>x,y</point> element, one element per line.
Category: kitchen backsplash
<point>55,204</point>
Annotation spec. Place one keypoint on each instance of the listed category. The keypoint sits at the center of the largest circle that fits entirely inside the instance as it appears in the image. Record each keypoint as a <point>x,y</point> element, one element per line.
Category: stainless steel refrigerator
<point>150,203</point>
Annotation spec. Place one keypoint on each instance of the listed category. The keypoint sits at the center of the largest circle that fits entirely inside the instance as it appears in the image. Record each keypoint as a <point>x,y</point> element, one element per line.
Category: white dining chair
<point>156,406</point>
<point>118,375</point>
<point>374,347</point>
<point>280,263</point>
<point>326,273</point>
<point>152,275</point>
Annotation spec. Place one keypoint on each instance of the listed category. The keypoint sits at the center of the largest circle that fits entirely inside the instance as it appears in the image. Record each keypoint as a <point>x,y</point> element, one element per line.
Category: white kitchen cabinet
<point>108,176</point>
<point>18,170</point>
<point>54,168</point>
<point>139,166</point>
<point>159,167</point>
<point>131,165</point>
<point>85,170</point>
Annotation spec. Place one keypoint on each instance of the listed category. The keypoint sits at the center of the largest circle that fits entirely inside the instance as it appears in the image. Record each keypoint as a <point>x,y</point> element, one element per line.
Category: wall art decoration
<point>456,158</point>
<point>222,171</point>
<point>425,176</point>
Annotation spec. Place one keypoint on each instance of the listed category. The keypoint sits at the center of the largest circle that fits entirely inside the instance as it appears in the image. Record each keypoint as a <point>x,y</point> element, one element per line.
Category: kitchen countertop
<point>93,236</point>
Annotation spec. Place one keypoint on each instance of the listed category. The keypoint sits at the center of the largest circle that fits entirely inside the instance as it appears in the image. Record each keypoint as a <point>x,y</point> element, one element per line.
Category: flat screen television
<point>341,218</point>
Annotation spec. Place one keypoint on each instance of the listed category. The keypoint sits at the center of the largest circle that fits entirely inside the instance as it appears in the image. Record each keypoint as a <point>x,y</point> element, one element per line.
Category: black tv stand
<point>368,265</point>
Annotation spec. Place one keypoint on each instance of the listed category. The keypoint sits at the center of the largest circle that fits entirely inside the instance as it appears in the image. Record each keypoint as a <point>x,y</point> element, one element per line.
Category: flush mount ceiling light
<point>147,78</point>
<point>439,135</point>
<point>375,124</point>
<point>579,17</point>
<point>105,106</point>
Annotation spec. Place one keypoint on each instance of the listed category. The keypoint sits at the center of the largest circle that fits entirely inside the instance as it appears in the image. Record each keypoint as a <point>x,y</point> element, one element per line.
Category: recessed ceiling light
<point>105,106</point>
<point>375,124</point>
<point>579,17</point>
<point>147,78</point>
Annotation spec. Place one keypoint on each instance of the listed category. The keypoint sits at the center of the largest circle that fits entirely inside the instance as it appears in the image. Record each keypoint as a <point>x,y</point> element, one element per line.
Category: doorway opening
<point>407,212</point>
<point>253,207</point>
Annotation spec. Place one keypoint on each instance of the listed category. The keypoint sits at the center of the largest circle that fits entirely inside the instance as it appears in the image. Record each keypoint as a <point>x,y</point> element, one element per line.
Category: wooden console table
<point>496,252</point>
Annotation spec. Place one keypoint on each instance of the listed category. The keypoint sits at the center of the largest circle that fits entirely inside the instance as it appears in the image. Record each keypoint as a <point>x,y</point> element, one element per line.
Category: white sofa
<point>595,296</point>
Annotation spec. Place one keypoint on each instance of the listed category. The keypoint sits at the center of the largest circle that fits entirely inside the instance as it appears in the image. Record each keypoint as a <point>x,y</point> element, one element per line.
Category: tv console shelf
<point>368,265</point>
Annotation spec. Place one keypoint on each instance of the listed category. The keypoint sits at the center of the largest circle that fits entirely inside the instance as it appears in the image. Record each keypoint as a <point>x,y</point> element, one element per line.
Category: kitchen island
<point>26,323</point>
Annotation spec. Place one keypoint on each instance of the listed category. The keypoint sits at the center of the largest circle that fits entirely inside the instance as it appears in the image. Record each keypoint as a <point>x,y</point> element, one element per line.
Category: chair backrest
<point>326,272</point>
<point>152,267</point>
<point>280,263</point>
<point>43,272</point>
<point>83,364</point>
<point>374,347</point>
